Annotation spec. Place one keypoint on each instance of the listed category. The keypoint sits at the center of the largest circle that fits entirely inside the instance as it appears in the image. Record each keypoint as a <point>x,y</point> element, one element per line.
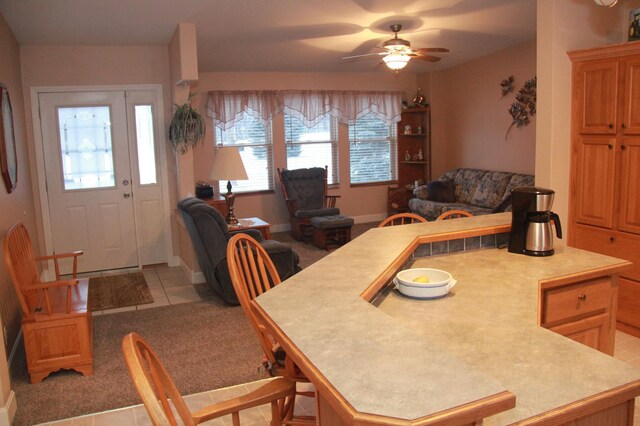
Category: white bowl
<point>439,285</point>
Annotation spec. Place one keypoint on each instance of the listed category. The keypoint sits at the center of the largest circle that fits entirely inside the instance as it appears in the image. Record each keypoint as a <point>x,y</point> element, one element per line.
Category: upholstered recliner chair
<point>305,192</point>
<point>209,234</point>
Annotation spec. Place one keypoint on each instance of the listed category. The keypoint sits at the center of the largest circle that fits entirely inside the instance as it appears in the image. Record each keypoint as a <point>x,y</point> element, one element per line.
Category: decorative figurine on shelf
<point>407,156</point>
<point>420,156</point>
<point>407,129</point>
<point>420,130</point>
<point>414,157</point>
<point>418,100</point>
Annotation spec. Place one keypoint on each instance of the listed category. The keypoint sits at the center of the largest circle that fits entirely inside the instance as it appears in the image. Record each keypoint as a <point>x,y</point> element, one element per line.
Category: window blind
<point>372,150</point>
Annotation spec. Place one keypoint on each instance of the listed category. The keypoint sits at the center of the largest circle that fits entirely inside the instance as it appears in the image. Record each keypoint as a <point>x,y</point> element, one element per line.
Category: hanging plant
<point>187,127</point>
<point>524,106</point>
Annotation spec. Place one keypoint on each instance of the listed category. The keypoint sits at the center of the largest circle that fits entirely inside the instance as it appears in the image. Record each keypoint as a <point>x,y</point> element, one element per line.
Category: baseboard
<point>195,277</point>
<point>8,412</point>
<point>174,261</point>
<point>378,217</point>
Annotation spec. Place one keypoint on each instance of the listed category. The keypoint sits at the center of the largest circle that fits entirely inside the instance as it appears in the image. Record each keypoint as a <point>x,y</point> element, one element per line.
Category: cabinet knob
<point>623,147</point>
<point>610,146</point>
<point>612,239</point>
<point>611,125</point>
<point>582,297</point>
<point>624,126</point>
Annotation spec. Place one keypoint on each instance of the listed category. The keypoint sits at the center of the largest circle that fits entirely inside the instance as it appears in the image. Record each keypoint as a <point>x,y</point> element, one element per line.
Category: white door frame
<point>40,164</point>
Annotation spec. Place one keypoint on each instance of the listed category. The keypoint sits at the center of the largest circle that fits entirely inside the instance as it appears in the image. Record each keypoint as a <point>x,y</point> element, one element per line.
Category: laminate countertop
<point>408,359</point>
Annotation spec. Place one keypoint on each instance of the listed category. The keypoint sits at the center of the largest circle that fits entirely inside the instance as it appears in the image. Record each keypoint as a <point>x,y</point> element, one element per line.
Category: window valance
<point>308,106</point>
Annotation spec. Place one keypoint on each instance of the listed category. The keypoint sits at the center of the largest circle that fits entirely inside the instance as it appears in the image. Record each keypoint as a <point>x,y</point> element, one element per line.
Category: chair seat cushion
<point>327,211</point>
<point>328,222</point>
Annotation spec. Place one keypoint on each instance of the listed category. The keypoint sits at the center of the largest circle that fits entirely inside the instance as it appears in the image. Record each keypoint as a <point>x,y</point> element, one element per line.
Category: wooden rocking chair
<point>56,321</point>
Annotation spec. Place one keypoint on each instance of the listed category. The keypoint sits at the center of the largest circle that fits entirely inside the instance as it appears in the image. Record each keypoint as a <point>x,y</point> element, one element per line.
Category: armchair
<point>209,235</point>
<point>305,192</point>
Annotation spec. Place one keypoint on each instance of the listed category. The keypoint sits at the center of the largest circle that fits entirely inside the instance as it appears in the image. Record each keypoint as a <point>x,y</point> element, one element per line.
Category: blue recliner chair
<point>209,234</point>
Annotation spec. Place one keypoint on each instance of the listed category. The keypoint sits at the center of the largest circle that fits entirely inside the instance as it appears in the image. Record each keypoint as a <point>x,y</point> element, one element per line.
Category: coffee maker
<point>531,232</point>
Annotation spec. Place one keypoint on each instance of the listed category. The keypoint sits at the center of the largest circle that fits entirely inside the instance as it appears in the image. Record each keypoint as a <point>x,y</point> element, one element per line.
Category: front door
<point>89,179</point>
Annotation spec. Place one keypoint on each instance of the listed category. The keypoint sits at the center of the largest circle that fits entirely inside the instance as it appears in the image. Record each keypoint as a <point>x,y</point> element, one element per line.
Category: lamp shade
<point>396,60</point>
<point>606,3</point>
<point>227,165</point>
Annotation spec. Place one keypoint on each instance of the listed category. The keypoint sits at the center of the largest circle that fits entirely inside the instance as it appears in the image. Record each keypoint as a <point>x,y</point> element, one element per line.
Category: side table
<point>218,202</point>
<point>253,223</point>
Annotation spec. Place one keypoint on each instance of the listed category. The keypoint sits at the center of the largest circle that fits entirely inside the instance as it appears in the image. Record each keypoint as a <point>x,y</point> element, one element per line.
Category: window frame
<point>333,177</point>
<point>218,140</point>
<point>391,140</point>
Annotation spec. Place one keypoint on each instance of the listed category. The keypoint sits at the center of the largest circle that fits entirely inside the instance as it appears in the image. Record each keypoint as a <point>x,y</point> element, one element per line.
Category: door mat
<point>118,291</point>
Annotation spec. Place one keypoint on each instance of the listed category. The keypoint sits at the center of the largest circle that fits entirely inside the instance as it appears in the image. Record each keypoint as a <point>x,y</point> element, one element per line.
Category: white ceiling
<point>281,35</point>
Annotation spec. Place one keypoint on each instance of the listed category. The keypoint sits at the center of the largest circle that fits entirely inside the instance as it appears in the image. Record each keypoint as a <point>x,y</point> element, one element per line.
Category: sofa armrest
<point>253,233</point>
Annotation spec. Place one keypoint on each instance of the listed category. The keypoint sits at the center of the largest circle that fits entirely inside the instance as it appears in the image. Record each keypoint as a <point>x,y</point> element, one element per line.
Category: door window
<point>86,147</point>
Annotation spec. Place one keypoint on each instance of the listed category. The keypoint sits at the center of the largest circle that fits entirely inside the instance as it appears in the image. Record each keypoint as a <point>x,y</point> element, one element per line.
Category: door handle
<point>127,195</point>
<point>125,182</point>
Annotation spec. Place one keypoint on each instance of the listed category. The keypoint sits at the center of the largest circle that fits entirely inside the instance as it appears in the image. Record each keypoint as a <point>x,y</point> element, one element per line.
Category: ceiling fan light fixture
<point>396,61</point>
<point>606,3</point>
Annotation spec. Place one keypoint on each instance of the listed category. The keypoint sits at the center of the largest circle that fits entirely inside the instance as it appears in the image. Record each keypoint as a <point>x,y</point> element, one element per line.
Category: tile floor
<point>170,286</point>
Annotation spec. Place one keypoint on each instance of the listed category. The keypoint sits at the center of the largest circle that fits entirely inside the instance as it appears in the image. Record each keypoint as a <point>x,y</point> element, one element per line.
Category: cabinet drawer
<point>577,300</point>
<point>611,243</point>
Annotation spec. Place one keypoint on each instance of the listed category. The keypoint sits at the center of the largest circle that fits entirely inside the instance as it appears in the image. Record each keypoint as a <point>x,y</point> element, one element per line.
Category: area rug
<point>118,291</point>
<point>205,345</point>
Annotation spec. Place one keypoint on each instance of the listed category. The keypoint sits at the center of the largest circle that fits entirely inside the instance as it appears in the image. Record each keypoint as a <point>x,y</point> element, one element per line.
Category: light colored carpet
<point>118,291</point>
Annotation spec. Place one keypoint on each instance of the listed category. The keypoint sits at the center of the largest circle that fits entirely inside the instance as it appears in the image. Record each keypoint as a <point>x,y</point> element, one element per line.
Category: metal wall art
<point>525,105</point>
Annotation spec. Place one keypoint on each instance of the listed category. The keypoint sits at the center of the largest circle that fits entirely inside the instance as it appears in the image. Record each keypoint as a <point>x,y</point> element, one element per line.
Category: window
<point>315,146</point>
<point>372,150</point>
<point>253,140</point>
<point>146,144</point>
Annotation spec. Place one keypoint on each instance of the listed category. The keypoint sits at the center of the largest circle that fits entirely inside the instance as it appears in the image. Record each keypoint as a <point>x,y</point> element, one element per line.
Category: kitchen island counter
<point>458,359</point>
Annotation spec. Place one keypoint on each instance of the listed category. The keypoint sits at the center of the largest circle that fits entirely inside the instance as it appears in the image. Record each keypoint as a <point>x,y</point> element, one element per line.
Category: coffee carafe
<point>531,217</point>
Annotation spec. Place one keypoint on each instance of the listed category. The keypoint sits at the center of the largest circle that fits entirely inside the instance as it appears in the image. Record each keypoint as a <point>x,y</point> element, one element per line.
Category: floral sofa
<point>473,190</point>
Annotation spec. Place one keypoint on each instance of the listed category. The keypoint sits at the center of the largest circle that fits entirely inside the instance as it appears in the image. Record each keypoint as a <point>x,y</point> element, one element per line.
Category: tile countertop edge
<point>319,313</point>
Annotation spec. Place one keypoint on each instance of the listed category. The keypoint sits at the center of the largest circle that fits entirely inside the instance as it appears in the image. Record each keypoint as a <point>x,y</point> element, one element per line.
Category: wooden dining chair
<point>454,214</point>
<point>401,219</point>
<point>56,319</point>
<point>155,387</point>
<point>252,274</point>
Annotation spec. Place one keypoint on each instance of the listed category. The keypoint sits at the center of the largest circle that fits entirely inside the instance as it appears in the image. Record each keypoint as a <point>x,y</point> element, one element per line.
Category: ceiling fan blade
<point>427,58</point>
<point>365,55</point>
<point>432,49</point>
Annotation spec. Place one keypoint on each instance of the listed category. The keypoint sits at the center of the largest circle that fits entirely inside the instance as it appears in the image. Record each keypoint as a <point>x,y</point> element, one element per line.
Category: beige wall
<point>16,207</point>
<point>44,66</point>
<point>470,116</point>
<point>564,26</point>
<point>364,203</point>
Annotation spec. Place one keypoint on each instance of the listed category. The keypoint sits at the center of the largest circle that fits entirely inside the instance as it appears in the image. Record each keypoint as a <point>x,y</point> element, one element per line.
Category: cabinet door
<point>592,332</point>
<point>631,118</point>
<point>597,90</point>
<point>593,181</point>
<point>629,303</point>
<point>629,207</point>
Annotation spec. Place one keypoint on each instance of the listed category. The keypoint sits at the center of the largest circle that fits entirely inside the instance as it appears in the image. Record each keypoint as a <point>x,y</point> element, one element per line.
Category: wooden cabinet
<point>218,202</point>
<point>413,157</point>
<point>582,311</point>
<point>604,204</point>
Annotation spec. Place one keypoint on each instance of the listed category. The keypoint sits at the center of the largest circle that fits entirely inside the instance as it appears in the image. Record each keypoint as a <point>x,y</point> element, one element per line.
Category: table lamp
<point>227,165</point>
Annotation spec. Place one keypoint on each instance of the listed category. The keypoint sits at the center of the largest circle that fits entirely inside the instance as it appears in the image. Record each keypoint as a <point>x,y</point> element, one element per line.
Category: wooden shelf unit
<point>410,171</point>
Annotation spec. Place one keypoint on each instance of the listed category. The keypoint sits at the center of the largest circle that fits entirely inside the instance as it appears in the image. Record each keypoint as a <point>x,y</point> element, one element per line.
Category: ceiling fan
<point>397,52</point>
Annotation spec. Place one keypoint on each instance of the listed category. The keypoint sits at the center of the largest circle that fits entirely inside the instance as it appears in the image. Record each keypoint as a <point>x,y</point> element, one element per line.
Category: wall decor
<point>524,106</point>
<point>187,127</point>
<point>8,159</point>
<point>507,86</point>
<point>634,24</point>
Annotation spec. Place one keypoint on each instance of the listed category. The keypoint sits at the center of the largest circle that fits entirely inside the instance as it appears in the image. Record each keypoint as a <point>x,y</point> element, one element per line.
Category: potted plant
<point>187,127</point>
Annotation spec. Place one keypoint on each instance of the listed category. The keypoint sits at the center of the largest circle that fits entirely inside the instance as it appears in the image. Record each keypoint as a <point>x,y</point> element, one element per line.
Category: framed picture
<point>8,161</point>
<point>634,24</point>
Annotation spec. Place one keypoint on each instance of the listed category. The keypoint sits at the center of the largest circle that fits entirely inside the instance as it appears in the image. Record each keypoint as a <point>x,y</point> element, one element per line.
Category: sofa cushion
<point>490,190</point>
<point>466,183</point>
<point>441,190</point>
